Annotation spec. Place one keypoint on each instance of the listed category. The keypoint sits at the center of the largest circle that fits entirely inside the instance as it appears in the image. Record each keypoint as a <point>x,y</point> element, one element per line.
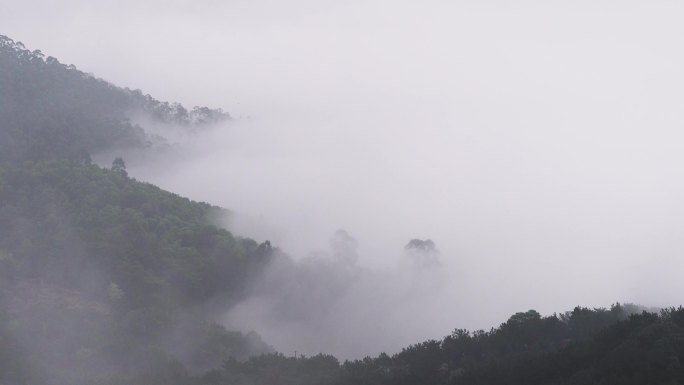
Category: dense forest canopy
<point>102,273</point>
<point>108,280</point>
<point>51,111</point>
<point>583,346</point>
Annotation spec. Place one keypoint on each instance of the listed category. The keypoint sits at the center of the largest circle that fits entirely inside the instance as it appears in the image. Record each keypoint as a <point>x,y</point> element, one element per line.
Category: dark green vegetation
<point>101,274</point>
<point>584,346</point>
<point>54,111</point>
<point>100,268</point>
<point>107,280</point>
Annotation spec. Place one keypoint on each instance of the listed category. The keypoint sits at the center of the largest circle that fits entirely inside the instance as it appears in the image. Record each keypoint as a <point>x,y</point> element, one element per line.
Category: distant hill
<point>581,347</point>
<point>107,280</point>
<point>50,110</point>
<point>99,273</point>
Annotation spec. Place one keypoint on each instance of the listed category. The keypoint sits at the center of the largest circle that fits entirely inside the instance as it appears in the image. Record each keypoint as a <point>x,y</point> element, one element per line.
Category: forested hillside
<point>50,110</point>
<point>108,280</point>
<point>102,274</point>
<point>584,346</point>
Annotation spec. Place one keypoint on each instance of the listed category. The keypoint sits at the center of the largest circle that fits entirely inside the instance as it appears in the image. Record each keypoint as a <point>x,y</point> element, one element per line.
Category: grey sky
<point>539,143</point>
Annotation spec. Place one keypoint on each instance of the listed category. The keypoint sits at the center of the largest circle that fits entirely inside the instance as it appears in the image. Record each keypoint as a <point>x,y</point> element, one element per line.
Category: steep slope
<point>108,280</point>
<point>99,273</point>
<point>50,110</point>
<point>585,346</point>
<point>121,269</point>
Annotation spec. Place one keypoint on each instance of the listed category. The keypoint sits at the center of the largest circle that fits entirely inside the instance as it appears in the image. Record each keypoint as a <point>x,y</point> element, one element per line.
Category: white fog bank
<point>538,144</point>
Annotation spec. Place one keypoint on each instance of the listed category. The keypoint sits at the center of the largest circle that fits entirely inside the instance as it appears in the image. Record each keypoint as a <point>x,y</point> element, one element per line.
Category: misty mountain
<point>100,273</point>
<point>620,345</point>
<point>50,110</point>
<point>105,279</point>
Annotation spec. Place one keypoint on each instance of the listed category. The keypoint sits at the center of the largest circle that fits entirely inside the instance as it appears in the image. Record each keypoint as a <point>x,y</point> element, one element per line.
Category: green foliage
<point>107,280</point>
<point>606,346</point>
<point>98,272</point>
<point>59,219</point>
<point>14,368</point>
<point>119,267</point>
<point>277,369</point>
<point>50,111</point>
<point>119,167</point>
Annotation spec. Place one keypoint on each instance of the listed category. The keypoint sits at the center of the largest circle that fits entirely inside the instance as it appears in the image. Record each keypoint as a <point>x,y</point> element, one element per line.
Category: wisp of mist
<point>538,147</point>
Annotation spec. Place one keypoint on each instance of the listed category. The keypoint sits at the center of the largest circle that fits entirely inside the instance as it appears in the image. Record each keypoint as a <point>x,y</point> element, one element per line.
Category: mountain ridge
<point>58,111</point>
<point>108,280</point>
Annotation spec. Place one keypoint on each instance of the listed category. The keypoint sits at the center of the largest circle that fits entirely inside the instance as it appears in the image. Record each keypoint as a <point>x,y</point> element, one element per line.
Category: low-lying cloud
<point>537,145</point>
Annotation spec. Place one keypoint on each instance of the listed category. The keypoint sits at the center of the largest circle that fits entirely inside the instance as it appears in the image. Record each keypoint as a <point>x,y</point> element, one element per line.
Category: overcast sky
<point>538,143</point>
